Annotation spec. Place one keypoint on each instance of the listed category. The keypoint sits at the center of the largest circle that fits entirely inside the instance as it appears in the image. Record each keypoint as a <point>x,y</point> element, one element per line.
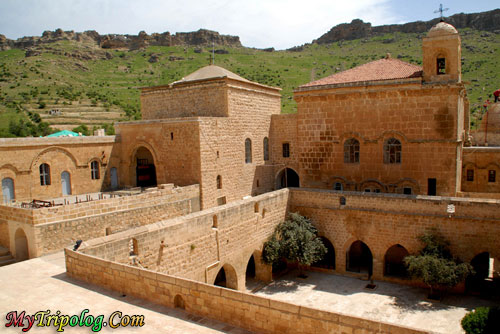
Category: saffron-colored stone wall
<point>426,119</point>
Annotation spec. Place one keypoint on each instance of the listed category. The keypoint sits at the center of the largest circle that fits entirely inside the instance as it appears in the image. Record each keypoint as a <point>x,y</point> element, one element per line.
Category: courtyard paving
<point>390,303</point>
<point>41,284</point>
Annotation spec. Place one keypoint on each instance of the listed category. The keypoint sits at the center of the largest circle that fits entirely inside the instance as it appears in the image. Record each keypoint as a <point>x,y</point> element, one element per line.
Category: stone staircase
<point>5,257</point>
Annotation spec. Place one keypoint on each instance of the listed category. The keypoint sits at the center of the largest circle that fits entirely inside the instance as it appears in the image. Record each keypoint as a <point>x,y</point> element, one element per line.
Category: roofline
<point>187,83</point>
<point>359,84</point>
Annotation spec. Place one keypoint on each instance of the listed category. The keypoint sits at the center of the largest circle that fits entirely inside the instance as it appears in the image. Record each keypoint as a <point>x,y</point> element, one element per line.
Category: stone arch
<point>328,261</point>
<point>287,177</point>
<point>262,271</point>
<point>394,261</point>
<point>359,258</point>
<point>407,183</point>
<point>372,185</point>
<point>21,245</point>
<point>143,164</point>
<point>11,168</point>
<point>393,134</point>
<point>250,272</point>
<point>478,283</point>
<point>37,160</point>
<point>226,277</point>
<point>179,302</point>
<point>440,54</point>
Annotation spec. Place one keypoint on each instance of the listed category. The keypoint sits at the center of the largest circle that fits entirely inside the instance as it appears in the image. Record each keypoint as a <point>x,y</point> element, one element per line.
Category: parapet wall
<point>197,245</point>
<point>384,220</point>
<point>254,313</point>
<point>51,229</point>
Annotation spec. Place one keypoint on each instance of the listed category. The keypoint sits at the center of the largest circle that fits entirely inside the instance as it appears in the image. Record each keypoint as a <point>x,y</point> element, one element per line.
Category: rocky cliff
<point>488,21</point>
<point>201,37</point>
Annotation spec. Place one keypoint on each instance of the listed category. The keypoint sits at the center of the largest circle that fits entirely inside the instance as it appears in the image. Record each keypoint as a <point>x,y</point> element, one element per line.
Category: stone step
<point>6,259</point>
<point>4,251</point>
<point>7,262</point>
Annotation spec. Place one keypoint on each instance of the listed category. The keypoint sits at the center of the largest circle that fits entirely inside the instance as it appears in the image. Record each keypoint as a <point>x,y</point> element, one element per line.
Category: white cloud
<point>259,23</point>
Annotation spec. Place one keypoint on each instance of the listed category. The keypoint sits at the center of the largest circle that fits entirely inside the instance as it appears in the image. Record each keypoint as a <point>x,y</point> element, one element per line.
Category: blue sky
<point>259,23</point>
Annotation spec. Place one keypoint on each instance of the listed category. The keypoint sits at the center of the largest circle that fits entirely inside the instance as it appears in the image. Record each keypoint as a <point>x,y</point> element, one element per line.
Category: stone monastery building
<point>375,156</point>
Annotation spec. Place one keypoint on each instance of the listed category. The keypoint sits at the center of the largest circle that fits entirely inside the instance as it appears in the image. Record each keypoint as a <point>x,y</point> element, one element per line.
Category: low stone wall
<point>51,229</point>
<point>198,245</point>
<point>254,313</point>
<point>381,221</point>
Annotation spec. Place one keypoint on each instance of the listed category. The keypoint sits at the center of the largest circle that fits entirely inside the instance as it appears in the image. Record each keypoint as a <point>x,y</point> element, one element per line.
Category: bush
<point>296,240</point>
<point>435,265</point>
<point>483,320</point>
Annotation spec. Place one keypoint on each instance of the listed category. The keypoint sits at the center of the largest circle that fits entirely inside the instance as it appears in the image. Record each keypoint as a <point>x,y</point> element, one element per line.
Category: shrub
<point>296,240</point>
<point>483,320</point>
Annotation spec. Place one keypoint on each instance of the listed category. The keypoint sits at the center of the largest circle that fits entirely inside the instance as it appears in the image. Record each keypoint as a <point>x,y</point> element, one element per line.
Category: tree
<point>83,129</point>
<point>296,240</point>
<point>435,265</point>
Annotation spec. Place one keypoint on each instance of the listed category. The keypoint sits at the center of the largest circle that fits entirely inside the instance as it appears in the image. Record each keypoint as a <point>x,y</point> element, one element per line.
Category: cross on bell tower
<point>441,10</point>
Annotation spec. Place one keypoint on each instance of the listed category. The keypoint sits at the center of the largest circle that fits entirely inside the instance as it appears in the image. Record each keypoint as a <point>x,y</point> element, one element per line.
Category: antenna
<point>441,10</point>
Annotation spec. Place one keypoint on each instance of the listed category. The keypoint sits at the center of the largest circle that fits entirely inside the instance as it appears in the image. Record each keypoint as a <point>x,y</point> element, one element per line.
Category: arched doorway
<point>250,272</point>
<point>22,250</point>
<point>328,261</point>
<point>359,258</point>
<point>226,277</point>
<point>287,178</point>
<point>114,178</point>
<point>145,170</point>
<point>65,183</point>
<point>478,282</point>
<point>394,261</point>
<point>8,190</point>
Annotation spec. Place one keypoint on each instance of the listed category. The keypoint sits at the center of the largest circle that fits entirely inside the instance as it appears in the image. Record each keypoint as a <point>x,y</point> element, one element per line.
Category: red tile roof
<point>383,69</point>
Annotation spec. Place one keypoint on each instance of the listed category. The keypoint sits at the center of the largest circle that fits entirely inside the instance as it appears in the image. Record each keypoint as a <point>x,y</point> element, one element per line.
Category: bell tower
<point>442,54</point>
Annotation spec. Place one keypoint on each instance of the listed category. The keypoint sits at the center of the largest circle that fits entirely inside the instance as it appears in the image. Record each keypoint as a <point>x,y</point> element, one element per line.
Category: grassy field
<point>91,87</point>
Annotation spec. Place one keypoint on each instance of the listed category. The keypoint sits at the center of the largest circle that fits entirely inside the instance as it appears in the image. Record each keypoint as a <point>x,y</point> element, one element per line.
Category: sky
<point>259,23</point>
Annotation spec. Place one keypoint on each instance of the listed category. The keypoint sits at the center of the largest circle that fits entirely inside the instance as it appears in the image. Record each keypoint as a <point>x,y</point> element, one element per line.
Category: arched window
<point>266,149</point>
<point>351,151</point>
<point>44,175</point>
<point>338,186</point>
<point>219,182</point>
<point>392,151</point>
<point>94,170</point>
<point>8,190</point>
<point>248,151</point>
<point>441,65</point>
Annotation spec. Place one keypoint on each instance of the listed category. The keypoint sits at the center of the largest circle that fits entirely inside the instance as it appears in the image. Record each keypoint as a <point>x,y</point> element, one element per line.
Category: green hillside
<point>89,88</point>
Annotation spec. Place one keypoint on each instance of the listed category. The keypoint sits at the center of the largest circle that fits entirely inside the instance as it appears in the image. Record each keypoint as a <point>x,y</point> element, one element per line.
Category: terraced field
<point>97,87</point>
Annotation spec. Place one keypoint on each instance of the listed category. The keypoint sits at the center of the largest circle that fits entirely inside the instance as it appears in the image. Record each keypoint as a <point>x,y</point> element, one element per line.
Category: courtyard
<point>388,302</point>
<point>42,284</point>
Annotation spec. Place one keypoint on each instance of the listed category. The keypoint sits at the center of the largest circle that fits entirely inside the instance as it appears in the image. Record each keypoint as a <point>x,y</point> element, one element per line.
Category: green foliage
<point>483,320</point>
<point>25,128</point>
<point>435,265</point>
<point>296,240</point>
<point>83,129</point>
<point>54,76</point>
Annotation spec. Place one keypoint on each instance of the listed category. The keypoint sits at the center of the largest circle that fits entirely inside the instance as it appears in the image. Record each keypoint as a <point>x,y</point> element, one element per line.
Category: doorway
<point>65,183</point>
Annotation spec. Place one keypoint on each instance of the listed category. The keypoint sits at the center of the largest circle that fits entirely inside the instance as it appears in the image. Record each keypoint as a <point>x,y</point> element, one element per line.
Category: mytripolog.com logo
<point>60,321</point>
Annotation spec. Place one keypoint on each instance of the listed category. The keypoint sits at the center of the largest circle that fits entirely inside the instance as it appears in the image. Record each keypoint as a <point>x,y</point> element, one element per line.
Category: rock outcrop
<point>201,37</point>
<point>487,21</point>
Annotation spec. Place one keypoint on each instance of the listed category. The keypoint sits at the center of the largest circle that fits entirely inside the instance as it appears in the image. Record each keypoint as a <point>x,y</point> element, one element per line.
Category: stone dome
<point>442,29</point>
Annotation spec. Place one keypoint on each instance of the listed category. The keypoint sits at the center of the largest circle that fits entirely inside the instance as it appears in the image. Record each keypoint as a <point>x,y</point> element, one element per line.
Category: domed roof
<point>210,72</point>
<point>442,29</point>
